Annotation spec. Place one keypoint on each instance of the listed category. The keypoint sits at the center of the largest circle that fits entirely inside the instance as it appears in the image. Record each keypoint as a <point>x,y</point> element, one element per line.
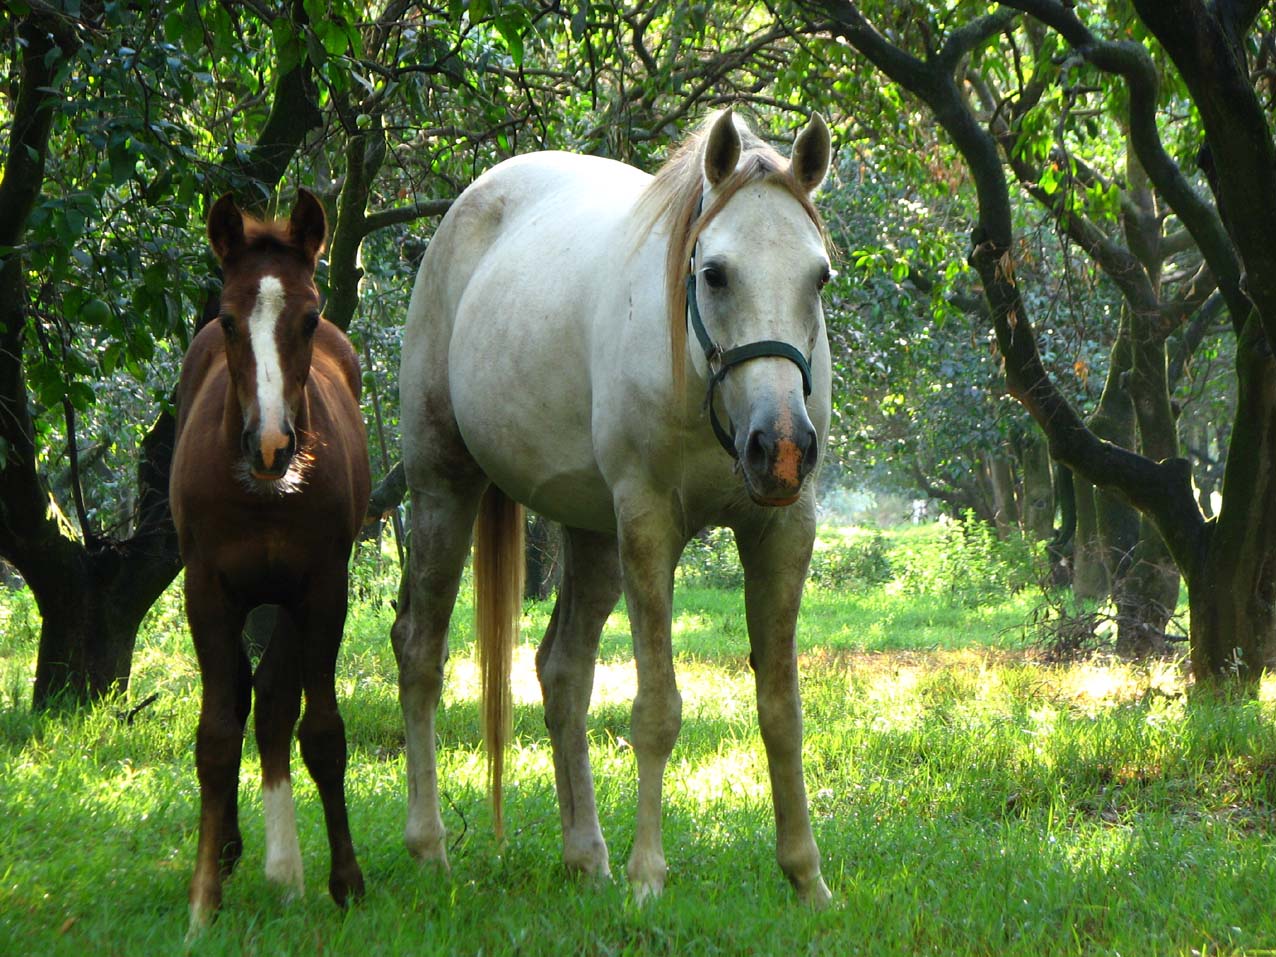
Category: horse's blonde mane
<point>675,194</point>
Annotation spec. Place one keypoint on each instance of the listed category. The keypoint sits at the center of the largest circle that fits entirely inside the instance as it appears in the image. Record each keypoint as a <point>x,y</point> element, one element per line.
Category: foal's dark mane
<point>676,192</point>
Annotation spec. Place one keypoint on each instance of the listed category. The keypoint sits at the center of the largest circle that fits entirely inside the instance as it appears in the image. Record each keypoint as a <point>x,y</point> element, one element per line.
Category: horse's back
<point>501,323</point>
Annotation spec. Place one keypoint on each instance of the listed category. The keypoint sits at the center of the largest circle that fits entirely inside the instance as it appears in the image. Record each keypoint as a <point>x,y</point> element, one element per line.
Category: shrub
<point>860,562</point>
<point>710,561</point>
<point>971,566</point>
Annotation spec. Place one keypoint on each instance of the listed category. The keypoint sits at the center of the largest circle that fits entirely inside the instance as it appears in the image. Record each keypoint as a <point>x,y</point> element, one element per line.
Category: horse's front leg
<point>565,666</point>
<point>775,553</point>
<point>216,620</point>
<point>650,543</point>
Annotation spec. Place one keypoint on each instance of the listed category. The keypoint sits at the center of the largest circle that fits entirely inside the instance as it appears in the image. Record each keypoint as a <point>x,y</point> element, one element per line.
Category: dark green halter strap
<point>720,362</point>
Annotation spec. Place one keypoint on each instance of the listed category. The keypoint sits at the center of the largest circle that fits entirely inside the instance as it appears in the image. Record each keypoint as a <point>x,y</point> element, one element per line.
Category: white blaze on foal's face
<point>271,409</point>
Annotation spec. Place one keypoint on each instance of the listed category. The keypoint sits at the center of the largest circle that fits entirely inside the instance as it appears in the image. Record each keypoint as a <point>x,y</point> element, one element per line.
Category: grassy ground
<point>967,799</point>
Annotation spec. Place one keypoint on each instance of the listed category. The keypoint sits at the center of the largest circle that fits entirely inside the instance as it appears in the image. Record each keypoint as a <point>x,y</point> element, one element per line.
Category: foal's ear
<point>225,227</point>
<point>308,225</point>
<point>812,153</point>
<point>722,151</point>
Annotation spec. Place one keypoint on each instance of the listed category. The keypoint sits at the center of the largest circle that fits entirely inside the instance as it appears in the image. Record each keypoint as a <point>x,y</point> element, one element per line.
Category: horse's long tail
<point>498,605</point>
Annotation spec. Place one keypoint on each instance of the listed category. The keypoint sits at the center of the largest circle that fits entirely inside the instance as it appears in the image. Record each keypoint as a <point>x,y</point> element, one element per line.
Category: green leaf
<point>508,28</point>
<point>580,20</point>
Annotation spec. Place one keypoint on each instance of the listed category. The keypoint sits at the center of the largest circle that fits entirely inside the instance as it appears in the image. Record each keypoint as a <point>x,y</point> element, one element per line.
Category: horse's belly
<point>544,461</point>
<point>525,417</point>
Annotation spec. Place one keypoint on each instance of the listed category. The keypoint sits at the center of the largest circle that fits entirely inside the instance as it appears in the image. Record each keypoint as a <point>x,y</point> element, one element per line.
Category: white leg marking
<point>283,851</point>
<point>261,333</point>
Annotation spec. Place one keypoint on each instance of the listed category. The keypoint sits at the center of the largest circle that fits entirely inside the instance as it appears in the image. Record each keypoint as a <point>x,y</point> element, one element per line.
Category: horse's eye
<point>311,323</point>
<point>715,277</point>
<point>228,325</point>
<point>826,277</point>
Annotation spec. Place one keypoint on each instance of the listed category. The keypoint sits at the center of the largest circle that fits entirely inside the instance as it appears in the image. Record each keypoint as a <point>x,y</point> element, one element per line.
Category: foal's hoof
<point>346,888</point>
<point>201,915</point>
<point>285,870</point>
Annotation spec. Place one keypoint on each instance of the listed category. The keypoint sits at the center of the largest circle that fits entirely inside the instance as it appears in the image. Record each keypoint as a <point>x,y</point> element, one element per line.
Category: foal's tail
<point>498,605</point>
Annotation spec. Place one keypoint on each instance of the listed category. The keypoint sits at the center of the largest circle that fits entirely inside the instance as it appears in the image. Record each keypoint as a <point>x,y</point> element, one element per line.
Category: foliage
<point>854,561</point>
<point>841,560</point>
<point>970,566</point>
<point>710,560</point>
<point>966,802</point>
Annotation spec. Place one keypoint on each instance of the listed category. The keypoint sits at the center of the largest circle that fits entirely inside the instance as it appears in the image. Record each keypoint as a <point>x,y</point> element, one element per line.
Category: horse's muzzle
<point>269,453</point>
<point>776,462</point>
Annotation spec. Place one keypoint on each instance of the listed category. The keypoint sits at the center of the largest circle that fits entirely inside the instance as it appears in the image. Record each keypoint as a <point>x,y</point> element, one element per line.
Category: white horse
<point>546,361</point>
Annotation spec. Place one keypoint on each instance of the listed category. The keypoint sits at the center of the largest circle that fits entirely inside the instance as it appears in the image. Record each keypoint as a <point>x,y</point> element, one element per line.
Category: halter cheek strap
<point>721,362</point>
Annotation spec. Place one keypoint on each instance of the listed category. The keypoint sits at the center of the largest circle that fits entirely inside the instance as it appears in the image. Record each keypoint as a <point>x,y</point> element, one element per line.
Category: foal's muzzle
<point>269,453</point>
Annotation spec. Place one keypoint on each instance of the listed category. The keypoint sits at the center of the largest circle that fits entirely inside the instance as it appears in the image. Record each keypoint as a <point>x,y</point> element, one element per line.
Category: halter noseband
<point>720,361</point>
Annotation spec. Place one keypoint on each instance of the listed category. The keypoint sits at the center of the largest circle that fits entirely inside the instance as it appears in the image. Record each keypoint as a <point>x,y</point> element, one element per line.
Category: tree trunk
<point>1062,544</point>
<point>1089,573</point>
<point>1038,488</point>
<point>1002,479</point>
<point>1232,584</point>
<point>543,543</point>
<point>1147,594</point>
<point>1117,522</point>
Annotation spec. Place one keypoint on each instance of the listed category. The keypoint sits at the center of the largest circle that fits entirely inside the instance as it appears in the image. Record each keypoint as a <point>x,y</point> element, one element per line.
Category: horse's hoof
<point>590,862</point>
<point>816,894</point>
<point>427,848</point>
<point>645,892</point>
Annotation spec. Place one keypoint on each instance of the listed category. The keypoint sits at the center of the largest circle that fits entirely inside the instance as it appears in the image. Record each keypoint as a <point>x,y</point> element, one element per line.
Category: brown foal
<point>269,488</point>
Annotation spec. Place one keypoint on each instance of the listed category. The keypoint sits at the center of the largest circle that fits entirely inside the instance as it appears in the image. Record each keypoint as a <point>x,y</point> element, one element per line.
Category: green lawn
<point>967,799</point>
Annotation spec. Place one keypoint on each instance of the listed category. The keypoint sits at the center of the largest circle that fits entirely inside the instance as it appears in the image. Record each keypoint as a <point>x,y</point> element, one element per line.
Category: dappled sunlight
<point>735,773</point>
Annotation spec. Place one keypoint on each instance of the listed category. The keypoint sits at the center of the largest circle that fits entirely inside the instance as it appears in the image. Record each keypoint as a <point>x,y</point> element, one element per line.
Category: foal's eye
<point>311,323</point>
<point>825,277</point>
<point>715,276</point>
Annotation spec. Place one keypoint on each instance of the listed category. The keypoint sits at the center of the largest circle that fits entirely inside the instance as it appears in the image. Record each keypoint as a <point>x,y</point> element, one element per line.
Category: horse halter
<point>721,361</point>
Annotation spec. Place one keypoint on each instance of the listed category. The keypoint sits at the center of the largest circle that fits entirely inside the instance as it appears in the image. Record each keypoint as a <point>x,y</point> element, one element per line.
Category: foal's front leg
<point>775,554</point>
<point>278,689</point>
<point>649,548</point>
<point>321,618</point>
<point>216,620</point>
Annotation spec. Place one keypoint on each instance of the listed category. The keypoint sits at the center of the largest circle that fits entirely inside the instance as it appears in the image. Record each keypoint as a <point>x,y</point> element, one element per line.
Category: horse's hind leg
<point>565,665</point>
<point>278,688</point>
<point>775,557</point>
<point>216,620</point>
<point>321,618</point>
<point>443,514</point>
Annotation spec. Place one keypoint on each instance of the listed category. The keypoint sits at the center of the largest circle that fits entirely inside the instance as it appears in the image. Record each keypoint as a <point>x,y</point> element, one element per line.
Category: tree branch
<point>1132,62</point>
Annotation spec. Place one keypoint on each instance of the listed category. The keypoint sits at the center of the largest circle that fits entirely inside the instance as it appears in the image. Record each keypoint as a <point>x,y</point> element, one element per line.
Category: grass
<point>967,799</point>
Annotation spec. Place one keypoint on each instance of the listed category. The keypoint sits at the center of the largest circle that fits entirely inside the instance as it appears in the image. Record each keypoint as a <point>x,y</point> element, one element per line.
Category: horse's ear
<point>812,153</point>
<point>308,225</point>
<point>225,227</point>
<point>723,149</point>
